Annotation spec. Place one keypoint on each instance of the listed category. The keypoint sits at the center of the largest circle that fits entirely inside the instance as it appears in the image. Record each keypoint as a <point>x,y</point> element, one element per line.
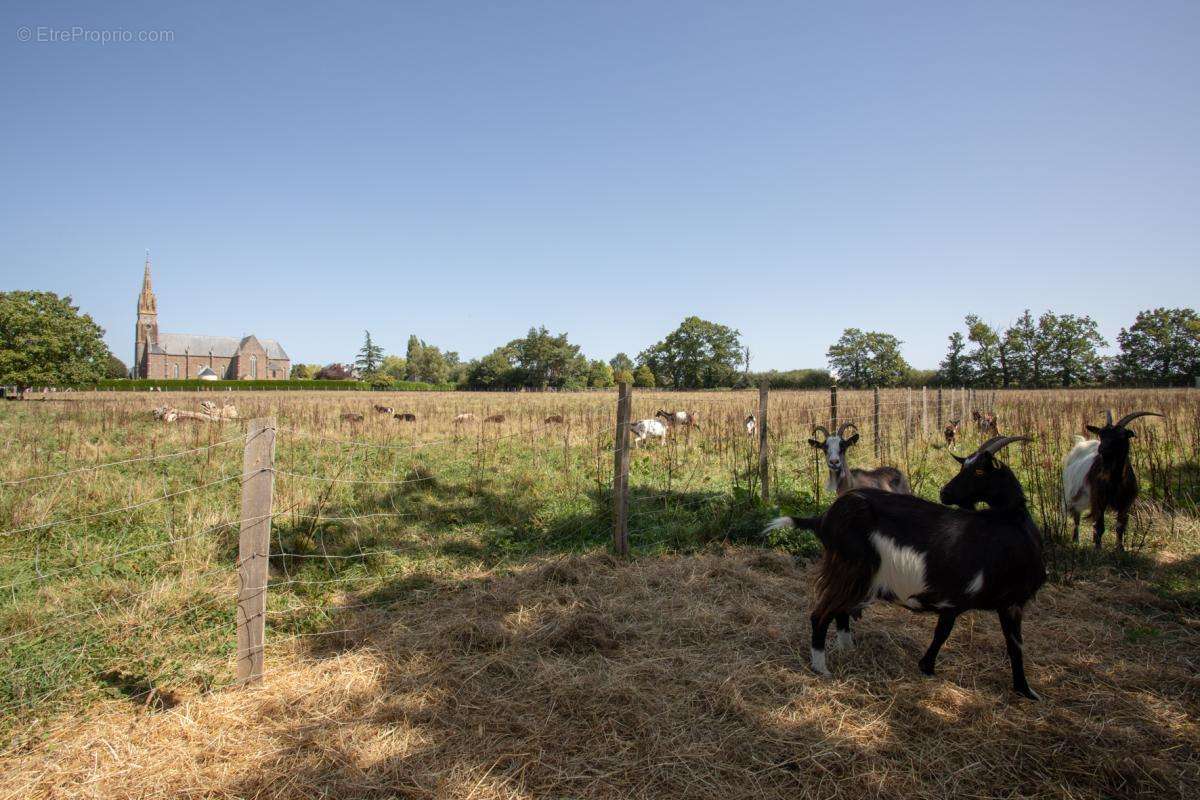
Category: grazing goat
<point>351,416</point>
<point>385,409</point>
<point>553,418</point>
<point>685,418</point>
<point>494,418</point>
<point>841,478</point>
<point>405,416</point>
<point>645,428</point>
<point>461,418</point>
<point>950,431</point>
<point>930,558</point>
<point>751,425</point>
<point>986,422</point>
<point>1097,475</point>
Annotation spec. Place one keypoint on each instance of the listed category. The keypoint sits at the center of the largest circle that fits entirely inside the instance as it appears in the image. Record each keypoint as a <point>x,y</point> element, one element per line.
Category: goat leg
<point>945,624</point>
<point>1075,536</point>
<point>1010,623</point>
<point>1098,531</point>
<point>844,639</point>
<point>1122,523</point>
<point>820,627</point>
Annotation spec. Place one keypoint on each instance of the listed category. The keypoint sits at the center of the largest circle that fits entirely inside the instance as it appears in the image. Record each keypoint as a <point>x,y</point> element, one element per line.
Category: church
<point>183,355</point>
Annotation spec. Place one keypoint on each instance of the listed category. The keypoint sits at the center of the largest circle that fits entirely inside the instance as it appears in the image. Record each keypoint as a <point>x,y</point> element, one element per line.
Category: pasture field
<point>444,619</point>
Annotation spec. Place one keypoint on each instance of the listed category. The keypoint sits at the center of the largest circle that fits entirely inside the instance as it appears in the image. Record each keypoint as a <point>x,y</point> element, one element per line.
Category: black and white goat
<point>1097,475</point>
<point>841,478</point>
<point>930,558</point>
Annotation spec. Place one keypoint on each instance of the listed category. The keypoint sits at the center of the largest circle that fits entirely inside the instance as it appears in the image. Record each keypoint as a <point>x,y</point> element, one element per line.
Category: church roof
<point>222,346</point>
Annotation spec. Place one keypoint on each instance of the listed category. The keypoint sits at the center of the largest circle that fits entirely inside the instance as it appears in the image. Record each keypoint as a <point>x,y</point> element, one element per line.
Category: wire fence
<point>321,515</point>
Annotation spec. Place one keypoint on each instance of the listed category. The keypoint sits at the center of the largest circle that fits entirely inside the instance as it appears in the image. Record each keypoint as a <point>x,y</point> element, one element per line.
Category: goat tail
<point>803,523</point>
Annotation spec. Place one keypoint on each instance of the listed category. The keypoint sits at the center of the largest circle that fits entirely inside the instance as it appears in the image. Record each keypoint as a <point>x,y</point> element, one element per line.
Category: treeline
<point>1160,348</point>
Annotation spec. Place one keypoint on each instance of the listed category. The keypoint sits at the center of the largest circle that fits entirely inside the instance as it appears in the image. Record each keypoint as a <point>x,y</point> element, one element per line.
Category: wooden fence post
<point>833,408</point>
<point>941,427</point>
<point>254,548</point>
<point>763,443</point>
<point>875,425</point>
<point>925,411</point>
<point>621,472</point>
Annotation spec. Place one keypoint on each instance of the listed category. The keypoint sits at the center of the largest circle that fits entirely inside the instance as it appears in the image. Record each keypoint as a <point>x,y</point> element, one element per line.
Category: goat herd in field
<point>882,543</point>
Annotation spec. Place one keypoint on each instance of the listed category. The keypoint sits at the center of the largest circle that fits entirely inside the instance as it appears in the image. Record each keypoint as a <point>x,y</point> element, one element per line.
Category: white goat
<point>645,428</point>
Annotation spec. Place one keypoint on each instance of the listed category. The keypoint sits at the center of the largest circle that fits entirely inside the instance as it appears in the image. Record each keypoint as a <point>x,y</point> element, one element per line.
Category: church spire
<point>146,275</point>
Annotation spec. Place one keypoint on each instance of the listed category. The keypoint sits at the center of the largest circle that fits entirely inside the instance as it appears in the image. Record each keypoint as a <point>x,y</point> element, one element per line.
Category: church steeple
<point>145,334</point>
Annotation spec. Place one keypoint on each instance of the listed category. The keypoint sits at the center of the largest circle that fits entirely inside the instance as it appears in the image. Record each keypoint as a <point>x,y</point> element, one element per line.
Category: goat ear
<point>1129,434</point>
<point>853,440</point>
<point>816,444</point>
<point>1093,429</point>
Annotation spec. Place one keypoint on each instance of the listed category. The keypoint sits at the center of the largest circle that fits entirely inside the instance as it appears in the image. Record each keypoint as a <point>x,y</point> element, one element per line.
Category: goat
<point>461,418</point>
<point>405,416</point>
<point>385,409</point>
<point>350,416</point>
<point>950,431</point>
<point>751,424</point>
<point>645,428</point>
<point>685,418</point>
<point>986,422</point>
<point>930,558</point>
<point>553,418</point>
<point>1097,475</point>
<point>841,478</point>
<point>494,418</point>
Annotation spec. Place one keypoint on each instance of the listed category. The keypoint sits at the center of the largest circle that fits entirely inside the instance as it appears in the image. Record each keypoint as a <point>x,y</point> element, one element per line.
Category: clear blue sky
<point>463,170</point>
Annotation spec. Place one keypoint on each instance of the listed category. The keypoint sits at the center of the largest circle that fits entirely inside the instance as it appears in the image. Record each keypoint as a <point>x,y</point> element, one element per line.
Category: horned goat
<point>842,478</point>
<point>1097,475</point>
<point>931,558</point>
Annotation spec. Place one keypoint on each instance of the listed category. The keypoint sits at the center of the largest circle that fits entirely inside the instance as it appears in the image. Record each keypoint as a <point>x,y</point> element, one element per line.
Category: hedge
<point>190,385</point>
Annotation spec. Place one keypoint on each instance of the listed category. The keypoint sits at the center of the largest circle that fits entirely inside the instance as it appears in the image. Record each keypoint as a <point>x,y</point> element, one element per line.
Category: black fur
<point>1001,542</point>
<point>1111,479</point>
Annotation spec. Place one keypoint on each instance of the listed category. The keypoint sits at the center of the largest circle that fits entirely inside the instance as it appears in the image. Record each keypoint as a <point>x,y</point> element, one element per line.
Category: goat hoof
<point>926,669</point>
<point>1027,693</point>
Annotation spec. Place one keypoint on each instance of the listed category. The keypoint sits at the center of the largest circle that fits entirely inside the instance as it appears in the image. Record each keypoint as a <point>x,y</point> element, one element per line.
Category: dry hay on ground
<point>669,677</point>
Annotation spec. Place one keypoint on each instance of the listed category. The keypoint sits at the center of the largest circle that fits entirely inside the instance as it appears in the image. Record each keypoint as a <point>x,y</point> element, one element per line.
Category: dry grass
<point>673,676</point>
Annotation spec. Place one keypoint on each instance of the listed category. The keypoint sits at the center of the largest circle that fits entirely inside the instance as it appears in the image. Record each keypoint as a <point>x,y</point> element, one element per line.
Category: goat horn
<point>997,443</point>
<point>1128,418</point>
<point>843,426</point>
<point>824,433</point>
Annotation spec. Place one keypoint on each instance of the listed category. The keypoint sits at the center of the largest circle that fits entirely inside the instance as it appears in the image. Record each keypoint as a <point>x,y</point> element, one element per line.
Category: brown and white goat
<point>841,478</point>
<point>385,409</point>
<point>950,432</point>
<point>686,418</point>
<point>985,421</point>
<point>1097,475</point>
<point>931,558</point>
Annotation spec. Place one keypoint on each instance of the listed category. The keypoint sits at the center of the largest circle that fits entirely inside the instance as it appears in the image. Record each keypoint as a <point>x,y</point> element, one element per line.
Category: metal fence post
<point>941,427</point>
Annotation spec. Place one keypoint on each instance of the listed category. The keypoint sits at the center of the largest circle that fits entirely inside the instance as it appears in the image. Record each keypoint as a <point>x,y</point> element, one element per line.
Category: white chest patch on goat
<point>901,573</point>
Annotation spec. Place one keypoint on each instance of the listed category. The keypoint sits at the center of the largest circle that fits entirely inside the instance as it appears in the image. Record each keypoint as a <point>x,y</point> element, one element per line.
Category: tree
<point>1160,348</point>
<point>867,358</point>
<point>412,356</point>
<point>45,341</point>
<point>493,371</point>
<point>792,379</point>
<point>1071,343</point>
<point>426,363</point>
<point>394,367</point>
<point>644,377</point>
<point>1026,352</point>
<point>301,372</point>
<point>626,376</point>
<point>986,361</point>
<point>115,368</point>
<point>333,372</point>
<point>548,361</point>
<point>369,357</point>
<point>600,375</point>
<point>621,362</point>
<point>697,354</point>
<point>955,370</point>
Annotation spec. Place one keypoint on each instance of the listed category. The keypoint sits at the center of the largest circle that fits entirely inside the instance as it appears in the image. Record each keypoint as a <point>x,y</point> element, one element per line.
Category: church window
<point>254,366</point>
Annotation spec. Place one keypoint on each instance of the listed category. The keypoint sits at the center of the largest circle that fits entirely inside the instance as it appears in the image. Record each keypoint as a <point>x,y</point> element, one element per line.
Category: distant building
<point>181,355</point>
